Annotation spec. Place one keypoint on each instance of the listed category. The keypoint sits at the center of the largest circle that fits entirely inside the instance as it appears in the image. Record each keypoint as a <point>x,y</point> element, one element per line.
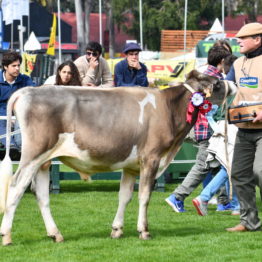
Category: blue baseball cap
<point>131,47</point>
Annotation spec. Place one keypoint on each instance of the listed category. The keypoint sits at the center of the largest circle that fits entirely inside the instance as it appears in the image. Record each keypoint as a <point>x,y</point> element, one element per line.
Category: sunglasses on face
<point>95,54</point>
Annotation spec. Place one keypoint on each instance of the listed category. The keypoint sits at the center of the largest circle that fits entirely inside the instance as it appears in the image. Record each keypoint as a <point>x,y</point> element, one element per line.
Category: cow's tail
<point>6,169</point>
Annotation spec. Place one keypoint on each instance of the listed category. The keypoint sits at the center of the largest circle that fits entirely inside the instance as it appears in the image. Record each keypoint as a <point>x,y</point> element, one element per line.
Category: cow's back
<point>106,122</point>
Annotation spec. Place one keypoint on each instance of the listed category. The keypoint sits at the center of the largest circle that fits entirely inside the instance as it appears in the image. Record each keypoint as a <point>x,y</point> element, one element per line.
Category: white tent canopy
<point>32,43</point>
<point>216,27</point>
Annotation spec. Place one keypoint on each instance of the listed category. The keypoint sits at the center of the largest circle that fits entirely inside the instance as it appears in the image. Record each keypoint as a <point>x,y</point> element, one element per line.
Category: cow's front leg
<point>19,183</point>
<point>147,175</point>
<point>125,195</point>
<point>41,189</point>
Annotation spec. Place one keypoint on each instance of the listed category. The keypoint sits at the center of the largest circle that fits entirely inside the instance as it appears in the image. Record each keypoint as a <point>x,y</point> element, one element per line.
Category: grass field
<point>84,213</point>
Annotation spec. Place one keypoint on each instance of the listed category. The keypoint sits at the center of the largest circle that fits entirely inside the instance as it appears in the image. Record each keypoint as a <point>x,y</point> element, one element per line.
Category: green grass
<point>84,213</point>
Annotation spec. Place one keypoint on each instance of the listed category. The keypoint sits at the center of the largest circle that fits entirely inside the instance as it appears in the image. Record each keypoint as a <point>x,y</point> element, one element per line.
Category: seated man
<point>93,68</point>
<point>131,72</point>
<point>11,80</point>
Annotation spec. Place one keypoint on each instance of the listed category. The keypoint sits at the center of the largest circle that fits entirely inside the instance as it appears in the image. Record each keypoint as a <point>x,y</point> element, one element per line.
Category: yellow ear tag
<point>163,86</point>
<point>207,92</point>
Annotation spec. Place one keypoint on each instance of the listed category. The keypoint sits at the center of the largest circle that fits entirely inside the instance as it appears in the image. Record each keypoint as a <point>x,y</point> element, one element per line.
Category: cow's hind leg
<point>40,186</point>
<point>18,185</point>
<point>148,171</point>
<point>125,194</point>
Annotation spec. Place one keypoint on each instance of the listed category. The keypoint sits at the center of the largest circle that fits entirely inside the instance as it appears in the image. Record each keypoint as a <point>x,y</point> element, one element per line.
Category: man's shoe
<point>177,205</point>
<point>237,228</point>
<point>201,206</point>
<point>226,207</point>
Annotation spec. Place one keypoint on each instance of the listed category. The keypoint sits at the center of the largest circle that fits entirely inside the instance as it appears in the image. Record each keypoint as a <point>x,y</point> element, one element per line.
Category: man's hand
<point>134,64</point>
<point>258,117</point>
<point>90,84</point>
<point>93,62</point>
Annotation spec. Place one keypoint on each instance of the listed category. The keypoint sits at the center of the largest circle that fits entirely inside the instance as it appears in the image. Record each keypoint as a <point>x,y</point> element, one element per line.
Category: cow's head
<point>215,90</point>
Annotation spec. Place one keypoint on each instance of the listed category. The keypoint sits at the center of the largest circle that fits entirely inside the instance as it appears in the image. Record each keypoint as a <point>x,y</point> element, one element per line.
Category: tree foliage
<point>252,8</point>
<point>169,14</point>
<point>160,14</point>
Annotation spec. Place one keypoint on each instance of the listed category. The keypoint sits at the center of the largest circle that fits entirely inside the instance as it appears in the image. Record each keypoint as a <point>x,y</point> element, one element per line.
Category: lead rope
<point>18,131</point>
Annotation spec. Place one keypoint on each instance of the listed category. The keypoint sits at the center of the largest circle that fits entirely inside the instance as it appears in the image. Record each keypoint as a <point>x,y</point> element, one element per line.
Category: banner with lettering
<point>169,70</point>
<point>203,47</point>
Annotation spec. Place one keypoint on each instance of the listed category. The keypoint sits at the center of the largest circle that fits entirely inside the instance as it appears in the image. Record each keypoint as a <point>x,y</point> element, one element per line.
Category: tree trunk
<point>231,6</point>
<point>87,11</point>
<point>253,11</point>
<point>111,28</point>
<point>80,26</point>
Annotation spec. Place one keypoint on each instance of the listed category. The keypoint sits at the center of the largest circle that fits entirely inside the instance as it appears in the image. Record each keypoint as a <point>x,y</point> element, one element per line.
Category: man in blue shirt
<point>131,72</point>
<point>10,80</point>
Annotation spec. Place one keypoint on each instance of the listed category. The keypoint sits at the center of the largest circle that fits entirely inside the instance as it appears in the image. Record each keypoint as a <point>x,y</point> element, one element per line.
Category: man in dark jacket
<point>10,80</point>
<point>131,72</point>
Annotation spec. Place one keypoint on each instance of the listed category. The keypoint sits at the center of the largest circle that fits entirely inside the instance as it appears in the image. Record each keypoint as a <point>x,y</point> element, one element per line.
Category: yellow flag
<point>43,2</point>
<point>51,44</point>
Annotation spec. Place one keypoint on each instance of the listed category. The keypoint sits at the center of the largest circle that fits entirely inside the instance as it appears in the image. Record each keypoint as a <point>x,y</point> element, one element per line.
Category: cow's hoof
<point>58,238</point>
<point>144,235</point>
<point>6,240</point>
<point>116,233</point>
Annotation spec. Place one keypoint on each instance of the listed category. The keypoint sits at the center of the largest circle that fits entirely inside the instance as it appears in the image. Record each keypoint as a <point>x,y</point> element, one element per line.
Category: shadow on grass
<point>186,231</point>
<point>102,234</point>
<point>133,234</point>
<point>82,186</point>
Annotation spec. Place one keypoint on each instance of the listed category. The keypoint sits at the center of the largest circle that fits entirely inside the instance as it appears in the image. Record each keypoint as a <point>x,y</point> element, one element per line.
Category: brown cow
<point>93,130</point>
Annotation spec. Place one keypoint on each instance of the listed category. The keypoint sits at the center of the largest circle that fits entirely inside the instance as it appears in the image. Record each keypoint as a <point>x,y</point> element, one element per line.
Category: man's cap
<point>131,47</point>
<point>250,29</point>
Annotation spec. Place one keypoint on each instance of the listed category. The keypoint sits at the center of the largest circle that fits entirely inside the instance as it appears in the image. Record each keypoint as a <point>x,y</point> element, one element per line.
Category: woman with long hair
<point>67,74</point>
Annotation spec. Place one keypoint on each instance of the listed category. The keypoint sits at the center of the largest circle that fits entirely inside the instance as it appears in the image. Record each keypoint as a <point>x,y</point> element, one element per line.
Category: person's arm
<point>119,75</point>
<point>107,79</point>
<point>231,74</point>
<point>87,73</point>
<point>141,77</point>
<point>28,81</point>
<point>50,80</point>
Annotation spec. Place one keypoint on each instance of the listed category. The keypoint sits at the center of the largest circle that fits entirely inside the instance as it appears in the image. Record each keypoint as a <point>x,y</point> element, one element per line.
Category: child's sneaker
<point>226,207</point>
<point>201,206</point>
<point>177,205</point>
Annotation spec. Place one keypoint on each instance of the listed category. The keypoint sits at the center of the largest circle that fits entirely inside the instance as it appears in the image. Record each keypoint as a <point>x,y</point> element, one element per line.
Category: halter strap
<point>189,88</point>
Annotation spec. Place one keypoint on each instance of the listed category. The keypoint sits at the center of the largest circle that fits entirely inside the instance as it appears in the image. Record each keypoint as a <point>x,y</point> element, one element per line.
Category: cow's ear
<point>211,79</point>
<point>201,76</point>
<point>192,74</point>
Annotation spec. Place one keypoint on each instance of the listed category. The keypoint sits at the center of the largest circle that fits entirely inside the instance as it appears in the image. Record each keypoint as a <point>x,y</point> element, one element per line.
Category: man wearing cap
<point>131,72</point>
<point>247,165</point>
